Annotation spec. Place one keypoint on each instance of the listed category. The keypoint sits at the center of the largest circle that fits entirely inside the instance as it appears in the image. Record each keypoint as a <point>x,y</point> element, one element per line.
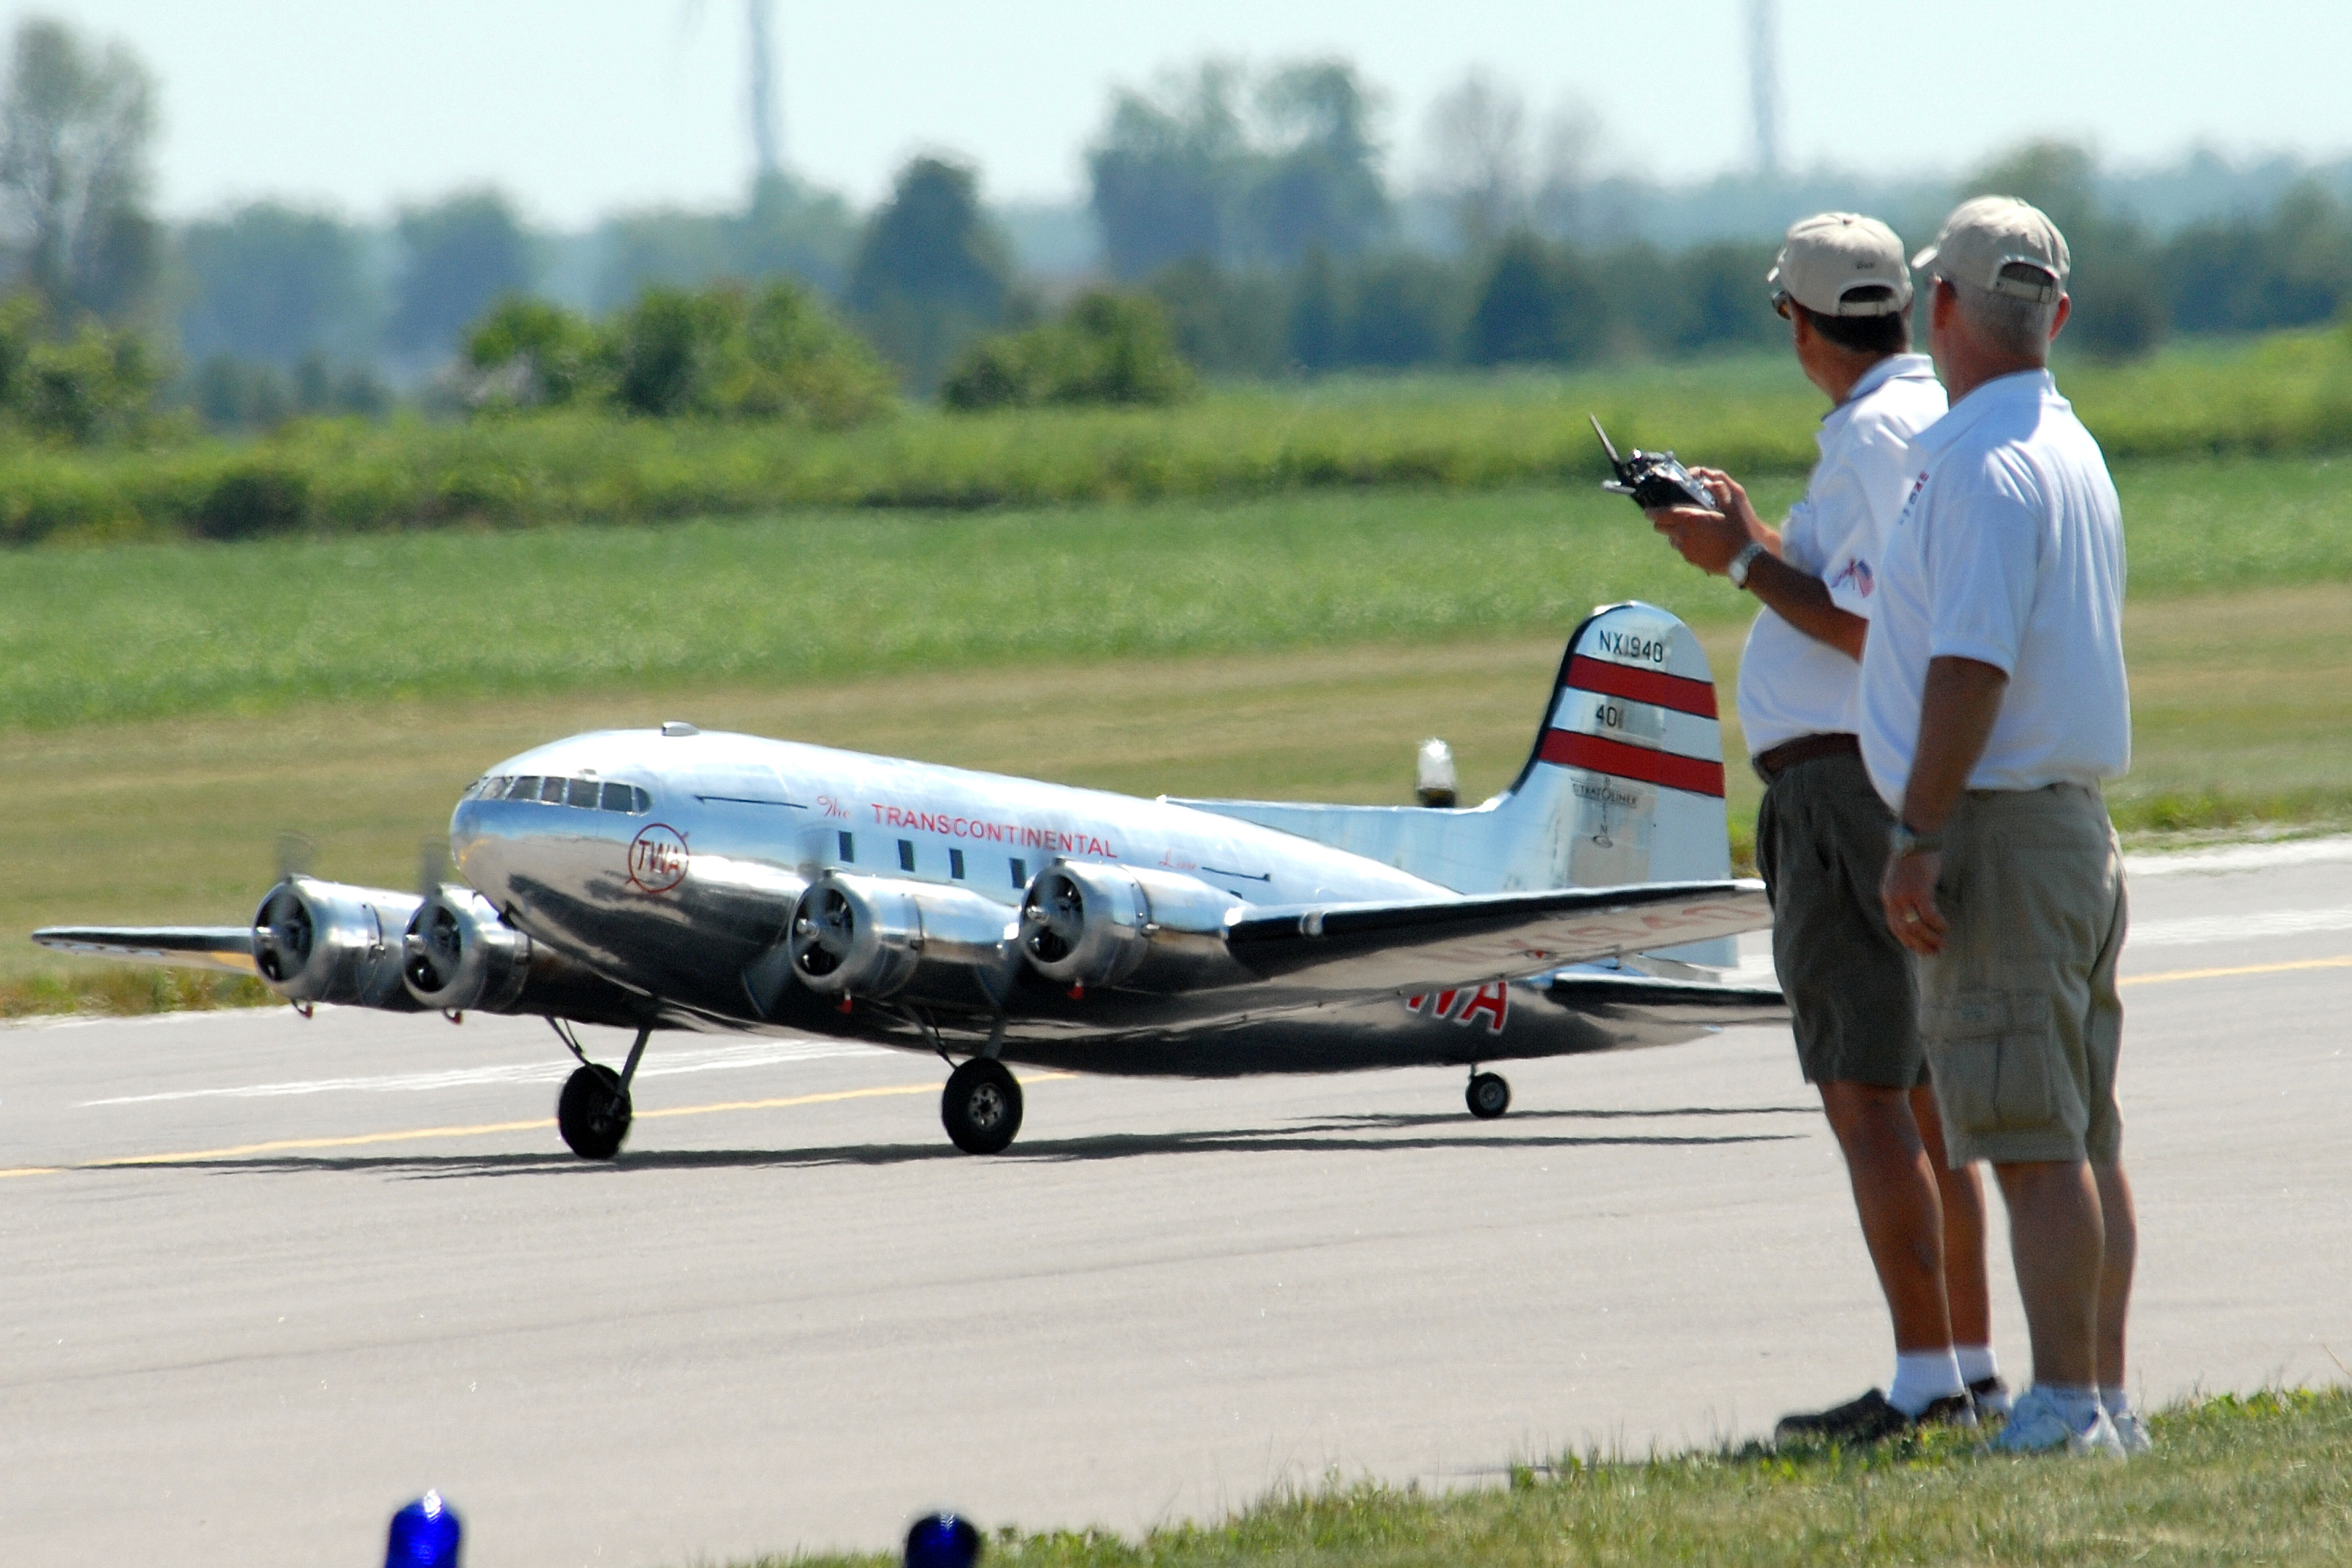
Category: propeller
<point>436,942</point>
<point>1055,915</point>
<point>825,932</point>
<point>282,930</point>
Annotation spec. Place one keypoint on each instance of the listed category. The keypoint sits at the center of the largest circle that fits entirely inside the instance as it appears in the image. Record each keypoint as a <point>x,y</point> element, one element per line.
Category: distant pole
<point>1764,83</point>
<point>766,141</point>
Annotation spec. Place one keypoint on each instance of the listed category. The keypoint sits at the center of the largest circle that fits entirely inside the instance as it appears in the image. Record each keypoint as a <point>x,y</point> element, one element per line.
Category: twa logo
<point>1491,1003</point>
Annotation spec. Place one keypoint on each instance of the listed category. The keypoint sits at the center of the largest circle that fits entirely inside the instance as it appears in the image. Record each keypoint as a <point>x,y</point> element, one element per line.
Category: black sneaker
<point>1870,1419</point>
<point>1991,1396</point>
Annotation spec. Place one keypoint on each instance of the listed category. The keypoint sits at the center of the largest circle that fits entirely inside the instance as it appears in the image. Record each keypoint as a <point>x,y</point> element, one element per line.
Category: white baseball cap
<point>1841,264</point>
<point>2001,245</point>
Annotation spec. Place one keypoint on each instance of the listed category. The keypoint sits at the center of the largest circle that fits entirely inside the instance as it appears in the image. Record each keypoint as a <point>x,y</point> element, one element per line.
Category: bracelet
<point>1738,570</point>
<point>1902,841</point>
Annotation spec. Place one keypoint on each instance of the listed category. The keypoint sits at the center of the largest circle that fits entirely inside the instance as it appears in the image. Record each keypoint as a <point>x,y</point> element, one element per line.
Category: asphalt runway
<point>262,1279</point>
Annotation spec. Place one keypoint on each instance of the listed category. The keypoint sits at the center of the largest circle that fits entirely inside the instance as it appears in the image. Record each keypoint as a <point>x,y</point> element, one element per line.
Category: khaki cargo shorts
<point>2019,1013</point>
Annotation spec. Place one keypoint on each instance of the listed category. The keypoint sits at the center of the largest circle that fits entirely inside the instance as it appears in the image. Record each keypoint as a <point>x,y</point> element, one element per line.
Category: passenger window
<point>906,854</point>
<point>849,847</point>
<point>525,787</point>
<point>618,796</point>
<point>1020,873</point>
<point>955,864</point>
<point>551,791</point>
<point>584,793</point>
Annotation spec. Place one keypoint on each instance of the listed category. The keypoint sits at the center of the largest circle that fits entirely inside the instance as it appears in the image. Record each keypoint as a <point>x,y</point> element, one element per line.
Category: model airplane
<point>662,879</point>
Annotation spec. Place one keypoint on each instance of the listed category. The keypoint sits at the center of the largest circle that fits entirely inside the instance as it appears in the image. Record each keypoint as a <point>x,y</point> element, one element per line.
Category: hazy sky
<point>580,107</point>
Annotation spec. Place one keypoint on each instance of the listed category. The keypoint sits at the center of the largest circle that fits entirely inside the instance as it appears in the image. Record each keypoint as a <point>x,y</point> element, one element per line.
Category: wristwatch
<point>1901,841</point>
<point>1738,570</point>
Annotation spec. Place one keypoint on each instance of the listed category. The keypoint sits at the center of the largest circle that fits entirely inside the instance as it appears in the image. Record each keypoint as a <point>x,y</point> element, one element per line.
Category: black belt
<point>1772,764</point>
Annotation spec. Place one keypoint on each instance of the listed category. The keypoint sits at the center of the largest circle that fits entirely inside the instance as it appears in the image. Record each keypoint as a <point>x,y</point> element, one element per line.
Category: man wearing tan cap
<point>1994,704</point>
<point>1821,833</point>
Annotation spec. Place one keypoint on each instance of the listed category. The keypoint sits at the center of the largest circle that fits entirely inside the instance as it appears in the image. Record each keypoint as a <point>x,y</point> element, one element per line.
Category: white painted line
<point>721,1059</point>
<point>2206,930</point>
<point>2240,857</point>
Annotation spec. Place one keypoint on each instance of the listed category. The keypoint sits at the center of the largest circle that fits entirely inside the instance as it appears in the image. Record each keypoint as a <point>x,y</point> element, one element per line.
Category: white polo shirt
<point>1789,684</point>
<point>2009,551</point>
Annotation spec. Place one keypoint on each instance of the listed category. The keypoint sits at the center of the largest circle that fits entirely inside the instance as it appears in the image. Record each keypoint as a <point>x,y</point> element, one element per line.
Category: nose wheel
<point>1488,1095</point>
<point>981,1107</point>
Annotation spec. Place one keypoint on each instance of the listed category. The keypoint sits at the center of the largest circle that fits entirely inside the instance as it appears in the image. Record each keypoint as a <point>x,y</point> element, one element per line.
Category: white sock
<point>1976,1362</point>
<point>2116,1402</point>
<point>1922,1377</point>
<point>2078,1402</point>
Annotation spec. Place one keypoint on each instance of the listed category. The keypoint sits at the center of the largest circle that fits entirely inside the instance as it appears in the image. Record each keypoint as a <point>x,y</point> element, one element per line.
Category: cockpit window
<point>551,791</point>
<point>584,794</point>
<point>625,797</point>
<point>524,788</point>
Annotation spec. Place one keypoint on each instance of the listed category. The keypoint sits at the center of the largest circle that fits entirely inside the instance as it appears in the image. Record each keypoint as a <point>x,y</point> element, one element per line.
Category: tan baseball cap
<point>2002,245</point>
<point>1842,264</point>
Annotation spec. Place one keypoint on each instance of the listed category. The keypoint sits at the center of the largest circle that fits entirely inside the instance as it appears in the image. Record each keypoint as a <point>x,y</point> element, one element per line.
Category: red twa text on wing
<point>1490,1003</point>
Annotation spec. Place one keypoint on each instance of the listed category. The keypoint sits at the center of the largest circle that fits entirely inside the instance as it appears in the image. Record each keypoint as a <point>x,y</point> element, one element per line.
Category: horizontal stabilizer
<point>1435,944</point>
<point>226,948</point>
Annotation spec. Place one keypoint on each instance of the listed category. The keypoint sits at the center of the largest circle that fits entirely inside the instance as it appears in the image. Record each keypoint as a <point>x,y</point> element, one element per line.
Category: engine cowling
<point>881,937</point>
<point>327,941</point>
<point>458,954</point>
<point>1085,923</point>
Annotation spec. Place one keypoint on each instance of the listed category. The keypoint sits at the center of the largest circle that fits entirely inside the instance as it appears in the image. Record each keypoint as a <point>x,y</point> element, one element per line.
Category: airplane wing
<point>226,948</point>
<point>1412,947</point>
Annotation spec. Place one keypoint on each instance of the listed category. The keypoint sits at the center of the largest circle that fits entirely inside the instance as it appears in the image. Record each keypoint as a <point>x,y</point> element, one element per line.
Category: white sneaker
<point>2037,1426</point>
<point>2132,1432</point>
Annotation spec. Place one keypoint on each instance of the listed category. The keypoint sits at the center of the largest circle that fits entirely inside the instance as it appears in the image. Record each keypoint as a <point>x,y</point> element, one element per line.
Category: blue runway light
<point>942,1540</point>
<point>424,1534</point>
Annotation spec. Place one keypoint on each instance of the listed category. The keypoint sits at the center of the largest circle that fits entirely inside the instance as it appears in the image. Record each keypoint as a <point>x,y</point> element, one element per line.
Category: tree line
<point>1249,218</point>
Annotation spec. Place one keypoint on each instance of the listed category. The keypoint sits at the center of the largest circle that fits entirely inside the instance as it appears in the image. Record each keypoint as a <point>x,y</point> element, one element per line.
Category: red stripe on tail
<point>1619,760</point>
<point>1678,693</point>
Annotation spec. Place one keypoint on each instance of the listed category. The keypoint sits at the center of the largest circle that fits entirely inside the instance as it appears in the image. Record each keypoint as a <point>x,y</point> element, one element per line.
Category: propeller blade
<point>296,853</point>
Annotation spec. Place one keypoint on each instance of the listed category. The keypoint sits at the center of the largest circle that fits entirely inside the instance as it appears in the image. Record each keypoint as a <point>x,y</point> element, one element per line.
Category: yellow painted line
<point>2343,963</point>
<point>282,1145</point>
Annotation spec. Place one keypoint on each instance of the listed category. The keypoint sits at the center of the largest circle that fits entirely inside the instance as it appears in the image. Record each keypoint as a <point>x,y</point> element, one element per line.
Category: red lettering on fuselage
<point>1491,1002</point>
<point>979,829</point>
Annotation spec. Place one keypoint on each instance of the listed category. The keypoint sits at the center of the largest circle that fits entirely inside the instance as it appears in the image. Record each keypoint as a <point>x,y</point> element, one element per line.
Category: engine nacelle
<point>327,941</point>
<point>1085,923</point>
<point>458,954</point>
<point>880,936</point>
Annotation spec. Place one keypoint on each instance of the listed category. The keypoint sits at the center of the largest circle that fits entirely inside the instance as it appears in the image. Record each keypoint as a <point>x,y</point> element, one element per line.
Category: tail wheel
<point>593,1112</point>
<point>1489,1096</point>
<point>981,1107</point>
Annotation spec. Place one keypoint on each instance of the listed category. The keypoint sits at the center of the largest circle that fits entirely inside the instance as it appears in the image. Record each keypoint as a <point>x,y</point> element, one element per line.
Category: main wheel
<point>593,1112</point>
<point>1489,1096</point>
<point>981,1107</point>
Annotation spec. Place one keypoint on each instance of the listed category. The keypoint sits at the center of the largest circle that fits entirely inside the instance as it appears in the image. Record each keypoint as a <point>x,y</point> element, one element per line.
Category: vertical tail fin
<point>1624,783</point>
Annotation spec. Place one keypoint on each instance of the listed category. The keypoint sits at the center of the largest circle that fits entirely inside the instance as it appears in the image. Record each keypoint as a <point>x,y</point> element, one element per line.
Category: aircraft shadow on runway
<point>1369,1133</point>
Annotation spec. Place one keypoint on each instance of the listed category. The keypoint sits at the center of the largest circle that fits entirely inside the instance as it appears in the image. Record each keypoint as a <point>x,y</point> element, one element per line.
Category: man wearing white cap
<point>1994,704</point>
<point>1820,835</point>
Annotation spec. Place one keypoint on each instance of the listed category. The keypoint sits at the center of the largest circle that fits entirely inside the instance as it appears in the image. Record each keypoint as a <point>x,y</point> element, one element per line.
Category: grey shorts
<point>2019,1013</point>
<point>1820,843</point>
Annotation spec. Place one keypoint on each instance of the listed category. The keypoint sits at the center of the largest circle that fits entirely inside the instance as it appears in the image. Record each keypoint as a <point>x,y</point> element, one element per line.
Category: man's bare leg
<point>1968,1294</point>
<point>2057,1243</point>
<point>1895,1192</point>
<point>2117,1259</point>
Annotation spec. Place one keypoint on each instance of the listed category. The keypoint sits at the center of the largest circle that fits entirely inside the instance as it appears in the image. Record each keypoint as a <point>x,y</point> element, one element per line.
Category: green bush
<point>771,354</point>
<point>1109,349</point>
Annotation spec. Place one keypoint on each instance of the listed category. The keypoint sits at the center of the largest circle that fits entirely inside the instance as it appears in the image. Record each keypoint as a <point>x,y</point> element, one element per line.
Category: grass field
<point>2287,393</point>
<point>152,630</point>
<point>2260,1480</point>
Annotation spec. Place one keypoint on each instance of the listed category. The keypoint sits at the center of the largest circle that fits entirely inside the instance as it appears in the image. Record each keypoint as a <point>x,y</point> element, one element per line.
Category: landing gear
<point>981,1107</point>
<point>594,1110</point>
<point>1488,1095</point>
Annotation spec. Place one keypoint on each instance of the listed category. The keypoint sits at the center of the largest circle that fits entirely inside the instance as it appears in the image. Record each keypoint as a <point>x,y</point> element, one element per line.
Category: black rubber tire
<point>592,1113</point>
<point>980,1107</point>
<point>1488,1096</point>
